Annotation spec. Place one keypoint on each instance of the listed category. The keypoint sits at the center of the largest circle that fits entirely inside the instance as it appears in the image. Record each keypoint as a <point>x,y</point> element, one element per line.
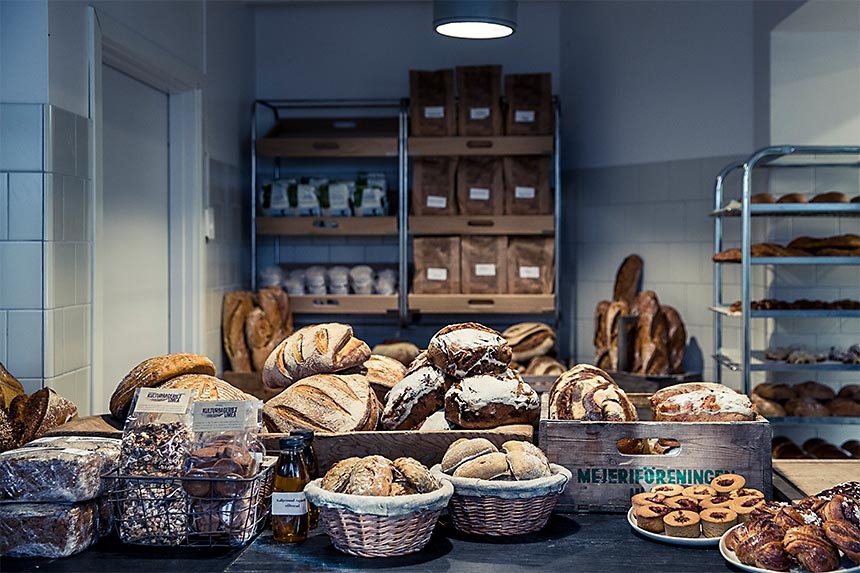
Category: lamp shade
<point>475,19</point>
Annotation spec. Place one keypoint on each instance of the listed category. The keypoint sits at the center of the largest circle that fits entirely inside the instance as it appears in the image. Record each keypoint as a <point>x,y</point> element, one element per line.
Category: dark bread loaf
<point>793,198</point>
<point>812,389</point>
<point>619,333</point>
<point>830,197</point>
<point>484,401</point>
<point>601,341</point>
<point>47,529</point>
<point>325,403</point>
<point>153,372</point>
<point>529,339</point>
<point>850,391</point>
<point>33,415</point>
<point>805,407</point>
<point>314,349</point>
<point>776,392</point>
<point>677,340</point>
<point>652,337</point>
<point>588,393</point>
<point>469,348</point>
<point>414,399</point>
<point>627,280</point>
<point>234,310</point>
<point>383,373</point>
<point>813,244</point>
<point>759,198</point>
<point>52,474</point>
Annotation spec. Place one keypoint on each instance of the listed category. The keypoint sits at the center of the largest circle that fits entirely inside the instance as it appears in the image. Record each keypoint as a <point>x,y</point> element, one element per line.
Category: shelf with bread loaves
<point>336,146</point>
<point>786,296</point>
<point>466,217</point>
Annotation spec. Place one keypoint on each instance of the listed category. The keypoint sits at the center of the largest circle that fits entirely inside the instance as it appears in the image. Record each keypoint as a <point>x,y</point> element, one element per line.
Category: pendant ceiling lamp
<point>475,19</point>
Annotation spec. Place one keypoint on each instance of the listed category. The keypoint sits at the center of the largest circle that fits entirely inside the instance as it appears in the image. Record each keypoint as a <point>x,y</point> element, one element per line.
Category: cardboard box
<point>604,479</point>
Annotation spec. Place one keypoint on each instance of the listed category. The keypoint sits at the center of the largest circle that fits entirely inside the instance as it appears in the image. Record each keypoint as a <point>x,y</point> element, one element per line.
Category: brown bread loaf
<point>401,350</point>
<point>325,403</point>
<point>652,337</point>
<point>33,415</point>
<point>483,401</point>
<point>529,339</point>
<point>414,399</point>
<point>383,373</point>
<point>627,280</point>
<point>207,387</point>
<point>601,335</point>
<point>830,197</point>
<point>677,339</point>
<point>544,366</point>
<point>586,392</point>
<point>9,387</point>
<point>153,372</point>
<point>813,244</point>
<point>314,349</point>
<point>616,330</point>
<point>759,198</point>
<point>260,336</point>
<point>275,302</point>
<point>793,198</point>
<point>469,348</point>
<point>234,311</point>
<point>700,402</point>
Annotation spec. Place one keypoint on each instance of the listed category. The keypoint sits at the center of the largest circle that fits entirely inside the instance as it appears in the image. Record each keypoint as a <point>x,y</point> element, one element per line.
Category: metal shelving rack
<point>777,157</point>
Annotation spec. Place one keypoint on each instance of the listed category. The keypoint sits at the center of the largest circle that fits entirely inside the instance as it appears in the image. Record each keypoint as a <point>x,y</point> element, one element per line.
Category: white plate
<point>729,555</point>
<point>700,541</point>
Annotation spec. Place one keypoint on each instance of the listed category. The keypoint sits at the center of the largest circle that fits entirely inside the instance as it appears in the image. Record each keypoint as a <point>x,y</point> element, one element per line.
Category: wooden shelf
<point>327,226</point>
<point>499,145</point>
<point>482,303</point>
<point>328,147</point>
<point>344,304</point>
<point>483,225</point>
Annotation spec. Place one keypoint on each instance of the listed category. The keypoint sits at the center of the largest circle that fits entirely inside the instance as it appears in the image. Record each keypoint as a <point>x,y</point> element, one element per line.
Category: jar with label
<point>289,506</point>
<point>313,470</point>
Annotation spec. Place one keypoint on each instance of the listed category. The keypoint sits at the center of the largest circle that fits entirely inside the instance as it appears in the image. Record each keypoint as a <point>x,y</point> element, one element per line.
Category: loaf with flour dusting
<point>412,400</point>
<point>701,402</point>
<point>469,348</point>
<point>485,401</point>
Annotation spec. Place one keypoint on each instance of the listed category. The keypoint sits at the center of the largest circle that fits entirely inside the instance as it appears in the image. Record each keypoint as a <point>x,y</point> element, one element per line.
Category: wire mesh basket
<point>190,511</point>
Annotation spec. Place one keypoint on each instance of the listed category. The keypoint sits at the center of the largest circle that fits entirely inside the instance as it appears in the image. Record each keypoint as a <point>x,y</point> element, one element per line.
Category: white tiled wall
<point>45,243</point>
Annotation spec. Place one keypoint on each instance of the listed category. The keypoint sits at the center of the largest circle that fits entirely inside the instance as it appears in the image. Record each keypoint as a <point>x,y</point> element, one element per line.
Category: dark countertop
<point>597,542</point>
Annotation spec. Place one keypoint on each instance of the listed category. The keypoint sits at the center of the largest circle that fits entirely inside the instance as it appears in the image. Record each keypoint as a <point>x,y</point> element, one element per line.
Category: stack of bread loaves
<point>253,324</point>
<point>463,379</point>
<point>533,348</point>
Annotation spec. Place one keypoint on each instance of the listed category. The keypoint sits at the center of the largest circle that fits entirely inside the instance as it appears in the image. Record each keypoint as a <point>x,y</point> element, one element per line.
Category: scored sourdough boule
<point>207,387</point>
<point>414,399</point>
<point>153,372</point>
<point>484,401</point>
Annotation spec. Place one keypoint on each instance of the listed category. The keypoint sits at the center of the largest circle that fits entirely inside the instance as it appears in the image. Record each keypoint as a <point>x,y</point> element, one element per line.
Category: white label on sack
<point>479,112</point>
<point>221,416</point>
<point>307,196</point>
<point>485,270</point>
<point>524,116</point>
<point>163,401</point>
<point>529,272</point>
<point>289,503</point>
<point>280,198</point>
<point>524,192</point>
<point>436,202</point>
<point>434,112</point>
<point>479,194</point>
<point>437,274</point>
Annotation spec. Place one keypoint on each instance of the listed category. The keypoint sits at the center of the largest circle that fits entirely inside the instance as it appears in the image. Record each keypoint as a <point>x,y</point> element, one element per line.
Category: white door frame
<point>122,48</point>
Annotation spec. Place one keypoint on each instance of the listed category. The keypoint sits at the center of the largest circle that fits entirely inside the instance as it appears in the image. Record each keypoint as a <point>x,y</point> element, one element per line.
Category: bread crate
<point>426,447</point>
<point>604,479</point>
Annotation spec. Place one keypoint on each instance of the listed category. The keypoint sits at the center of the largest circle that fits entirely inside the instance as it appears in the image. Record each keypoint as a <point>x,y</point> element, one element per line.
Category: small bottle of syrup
<point>290,523</point>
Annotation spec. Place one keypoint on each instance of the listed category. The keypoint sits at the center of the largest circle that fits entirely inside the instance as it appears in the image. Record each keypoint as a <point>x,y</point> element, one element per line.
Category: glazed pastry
<point>792,516</point>
<point>810,546</point>
<point>669,489</point>
<point>726,483</point>
<point>845,536</point>
<point>717,520</point>
<point>682,523</point>
<point>650,517</point>
<point>746,492</point>
<point>699,492</point>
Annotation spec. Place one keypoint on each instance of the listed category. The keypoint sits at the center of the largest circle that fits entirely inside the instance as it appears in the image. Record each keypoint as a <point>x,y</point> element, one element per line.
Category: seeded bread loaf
<point>47,529</point>
<point>51,474</point>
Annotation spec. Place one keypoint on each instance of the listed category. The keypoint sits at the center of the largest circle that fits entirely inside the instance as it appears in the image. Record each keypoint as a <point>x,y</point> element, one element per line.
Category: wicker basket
<point>500,508</point>
<point>369,526</point>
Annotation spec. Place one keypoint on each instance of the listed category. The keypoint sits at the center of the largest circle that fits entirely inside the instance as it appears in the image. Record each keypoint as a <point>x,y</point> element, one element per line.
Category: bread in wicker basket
<point>379,526</point>
<point>503,507</point>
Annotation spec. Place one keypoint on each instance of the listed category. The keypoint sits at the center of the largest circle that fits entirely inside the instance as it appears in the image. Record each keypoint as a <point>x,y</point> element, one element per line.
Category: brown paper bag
<point>479,186</point>
<point>529,104</point>
<point>433,184</point>
<point>432,107</point>
<point>483,264</point>
<point>437,265</point>
<point>530,265</point>
<point>527,189</point>
<point>479,110</point>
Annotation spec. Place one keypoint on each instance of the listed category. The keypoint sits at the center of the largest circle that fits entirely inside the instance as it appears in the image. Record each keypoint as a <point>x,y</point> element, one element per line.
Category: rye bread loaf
<point>153,372</point>
<point>47,529</point>
<point>700,402</point>
<point>9,387</point>
<point>315,349</point>
<point>544,366</point>
<point>483,401</point>
<point>414,399</point>
<point>51,474</point>
<point>588,393</point>
<point>33,415</point>
<point>469,348</point>
<point>260,336</point>
<point>627,280</point>
<point>601,340</point>
<point>677,339</point>
<point>323,403</point>
<point>619,334</point>
<point>235,308</point>
<point>207,387</point>
<point>652,337</point>
<point>529,339</point>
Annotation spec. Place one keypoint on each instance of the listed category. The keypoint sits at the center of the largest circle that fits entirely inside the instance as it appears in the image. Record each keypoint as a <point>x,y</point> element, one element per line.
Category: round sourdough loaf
<point>700,402</point>
<point>207,387</point>
<point>315,349</point>
<point>325,403</point>
<point>383,373</point>
<point>414,399</point>
<point>529,339</point>
<point>469,348</point>
<point>464,449</point>
<point>401,350</point>
<point>483,401</point>
<point>586,392</point>
<point>154,372</point>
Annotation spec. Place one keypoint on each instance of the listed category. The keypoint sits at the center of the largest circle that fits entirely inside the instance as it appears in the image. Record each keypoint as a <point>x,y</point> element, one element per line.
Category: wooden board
<point>426,447</point>
<point>482,303</point>
<point>483,225</point>
<point>344,303</point>
<point>808,477</point>
<point>500,145</point>
<point>327,226</point>
<point>328,147</point>
<point>604,479</point>
<point>104,425</point>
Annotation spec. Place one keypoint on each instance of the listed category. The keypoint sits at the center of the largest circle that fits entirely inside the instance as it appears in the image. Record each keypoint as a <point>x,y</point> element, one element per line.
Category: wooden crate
<point>604,479</point>
<point>426,447</point>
